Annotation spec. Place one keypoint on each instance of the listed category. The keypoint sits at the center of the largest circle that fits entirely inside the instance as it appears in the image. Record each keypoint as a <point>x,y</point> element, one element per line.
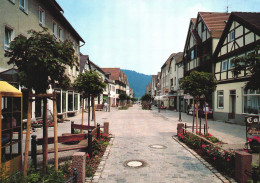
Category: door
<point>233,104</point>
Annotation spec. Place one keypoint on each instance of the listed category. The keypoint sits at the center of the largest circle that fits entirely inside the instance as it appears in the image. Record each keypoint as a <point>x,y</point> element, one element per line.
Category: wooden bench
<point>99,107</point>
<point>83,140</point>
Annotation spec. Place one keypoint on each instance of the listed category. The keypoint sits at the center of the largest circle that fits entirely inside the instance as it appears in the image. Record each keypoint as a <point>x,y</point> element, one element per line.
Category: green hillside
<point>138,81</point>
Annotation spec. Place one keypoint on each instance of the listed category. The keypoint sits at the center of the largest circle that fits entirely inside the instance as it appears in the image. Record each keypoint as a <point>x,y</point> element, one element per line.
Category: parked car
<point>209,112</point>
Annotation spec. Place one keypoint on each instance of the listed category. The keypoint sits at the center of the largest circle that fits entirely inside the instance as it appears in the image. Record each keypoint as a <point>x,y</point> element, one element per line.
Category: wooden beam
<point>27,142</point>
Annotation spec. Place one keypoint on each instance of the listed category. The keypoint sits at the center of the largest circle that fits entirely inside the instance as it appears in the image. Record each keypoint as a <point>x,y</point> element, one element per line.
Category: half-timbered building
<point>239,38</point>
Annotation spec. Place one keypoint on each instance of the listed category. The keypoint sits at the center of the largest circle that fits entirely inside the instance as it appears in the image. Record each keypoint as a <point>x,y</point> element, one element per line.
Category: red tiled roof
<point>114,72</point>
<point>214,21</point>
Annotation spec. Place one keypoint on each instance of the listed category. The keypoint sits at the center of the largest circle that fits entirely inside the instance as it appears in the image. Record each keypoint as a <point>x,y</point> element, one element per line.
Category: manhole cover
<point>134,163</point>
<point>157,146</point>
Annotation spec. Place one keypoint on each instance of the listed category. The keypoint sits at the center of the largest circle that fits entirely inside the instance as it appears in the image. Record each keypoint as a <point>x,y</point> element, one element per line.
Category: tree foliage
<point>41,60</point>
<point>90,83</point>
<point>250,64</point>
<point>198,84</point>
<point>146,97</point>
<point>123,96</point>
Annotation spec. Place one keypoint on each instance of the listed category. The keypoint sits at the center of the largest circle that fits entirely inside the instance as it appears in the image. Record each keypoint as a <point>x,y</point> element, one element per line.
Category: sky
<point>139,35</point>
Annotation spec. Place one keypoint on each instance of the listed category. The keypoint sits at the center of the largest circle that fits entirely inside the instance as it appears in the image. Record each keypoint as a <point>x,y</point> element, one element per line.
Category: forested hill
<point>137,81</point>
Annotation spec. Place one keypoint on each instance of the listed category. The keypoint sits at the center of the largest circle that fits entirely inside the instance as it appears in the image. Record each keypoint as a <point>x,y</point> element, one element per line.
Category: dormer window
<point>232,35</point>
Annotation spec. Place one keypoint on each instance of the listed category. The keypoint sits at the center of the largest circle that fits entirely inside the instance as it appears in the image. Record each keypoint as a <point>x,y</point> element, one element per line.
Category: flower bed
<point>254,143</point>
<point>223,161</point>
<point>98,147</point>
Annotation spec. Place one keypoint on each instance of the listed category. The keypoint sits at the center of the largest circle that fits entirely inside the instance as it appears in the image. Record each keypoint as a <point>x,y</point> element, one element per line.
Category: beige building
<point>20,16</point>
<point>240,37</point>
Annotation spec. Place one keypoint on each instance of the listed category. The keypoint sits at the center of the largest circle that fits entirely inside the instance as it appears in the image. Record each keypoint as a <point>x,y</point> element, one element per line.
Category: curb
<point>102,163</point>
<point>205,163</point>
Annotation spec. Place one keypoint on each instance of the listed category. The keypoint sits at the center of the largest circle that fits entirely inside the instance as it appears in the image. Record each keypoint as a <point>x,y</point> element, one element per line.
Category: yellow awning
<point>7,88</point>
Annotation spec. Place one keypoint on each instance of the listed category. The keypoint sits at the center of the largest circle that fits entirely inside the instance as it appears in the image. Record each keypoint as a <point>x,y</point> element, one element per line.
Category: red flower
<point>101,138</point>
<point>207,151</point>
<point>87,155</point>
<point>214,158</point>
<point>219,142</point>
<point>228,159</point>
<point>203,145</point>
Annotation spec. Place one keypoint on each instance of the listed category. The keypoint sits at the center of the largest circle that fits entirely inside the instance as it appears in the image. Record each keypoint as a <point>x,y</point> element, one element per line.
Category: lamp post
<point>159,105</point>
<point>109,101</point>
<point>179,107</point>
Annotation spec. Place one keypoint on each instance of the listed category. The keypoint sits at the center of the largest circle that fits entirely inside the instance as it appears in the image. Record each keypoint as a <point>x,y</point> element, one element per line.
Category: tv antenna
<point>227,7</point>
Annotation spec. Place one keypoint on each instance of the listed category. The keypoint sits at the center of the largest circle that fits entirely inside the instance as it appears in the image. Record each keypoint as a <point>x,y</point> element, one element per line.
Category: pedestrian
<point>105,106</point>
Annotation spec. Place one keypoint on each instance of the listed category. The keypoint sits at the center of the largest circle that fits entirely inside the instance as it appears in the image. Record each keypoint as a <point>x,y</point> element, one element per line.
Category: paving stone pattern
<point>134,131</point>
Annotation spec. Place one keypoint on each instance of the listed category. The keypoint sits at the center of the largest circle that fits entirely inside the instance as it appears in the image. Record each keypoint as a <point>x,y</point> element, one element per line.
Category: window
<point>41,17</point>
<point>12,1</point>
<point>224,65</point>
<point>9,35</point>
<point>220,97</point>
<point>23,4</point>
<point>252,101</point>
<point>232,35</point>
<point>60,33</point>
<point>175,81</point>
<point>231,64</point>
<point>192,55</point>
<point>203,27</point>
<point>54,29</point>
<point>171,82</point>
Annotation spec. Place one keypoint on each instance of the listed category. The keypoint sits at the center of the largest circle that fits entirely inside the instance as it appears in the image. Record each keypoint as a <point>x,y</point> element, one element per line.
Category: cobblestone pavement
<point>134,131</point>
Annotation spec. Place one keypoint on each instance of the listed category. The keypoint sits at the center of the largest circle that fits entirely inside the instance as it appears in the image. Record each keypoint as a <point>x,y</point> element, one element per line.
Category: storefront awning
<point>161,98</point>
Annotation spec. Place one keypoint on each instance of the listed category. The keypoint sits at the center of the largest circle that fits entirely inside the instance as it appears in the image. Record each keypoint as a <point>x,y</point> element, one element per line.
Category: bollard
<point>90,143</point>
<point>106,128</point>
<point>180,128</point>
<point>98,131</point>
<point>79,167</point>
<point>243,161</point>
<point>34,150</point>
<point>72,129</point>
<point>204,129</point>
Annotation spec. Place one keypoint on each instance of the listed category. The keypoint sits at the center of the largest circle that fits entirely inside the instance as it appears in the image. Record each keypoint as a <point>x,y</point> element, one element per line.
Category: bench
<point>83,139</point>
<point>99,107</point>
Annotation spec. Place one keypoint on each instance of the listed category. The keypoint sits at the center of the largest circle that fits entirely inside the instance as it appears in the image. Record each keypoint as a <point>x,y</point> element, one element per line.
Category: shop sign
<point>253,125</point>
<point>188,97</point>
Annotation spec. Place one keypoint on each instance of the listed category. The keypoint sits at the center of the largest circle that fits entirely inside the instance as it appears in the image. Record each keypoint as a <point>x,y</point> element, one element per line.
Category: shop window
<point>64,101</point>
<point>70,101</point>
<point>220,97</point>
<point>76,101</point>
<point>252,102</point>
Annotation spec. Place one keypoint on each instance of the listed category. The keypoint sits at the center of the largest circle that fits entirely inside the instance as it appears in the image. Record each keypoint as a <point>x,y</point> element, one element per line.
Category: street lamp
<point>179,107</point>
<point>159,105</point>
<point>109,101</point>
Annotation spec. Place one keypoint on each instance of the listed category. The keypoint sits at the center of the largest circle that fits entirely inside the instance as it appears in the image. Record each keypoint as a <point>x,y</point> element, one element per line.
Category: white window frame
<point>222,66</point>
<point>232,35</point>
<point>231,66</point>
<point>23,7</point>
<point>55,29</point>
<point>218,98</point>
<point>60,34</point>
<point>42,22</point>
<point>6,46</point>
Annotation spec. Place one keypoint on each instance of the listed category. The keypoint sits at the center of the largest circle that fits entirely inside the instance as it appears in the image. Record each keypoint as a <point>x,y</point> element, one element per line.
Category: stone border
<point>205,163</point>
<point>102,163</point>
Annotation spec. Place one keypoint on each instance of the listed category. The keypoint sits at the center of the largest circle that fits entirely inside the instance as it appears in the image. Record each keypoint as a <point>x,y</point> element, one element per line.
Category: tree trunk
<point>81,131</point>
<point>45,136</point>
<point>27,143</point>
<point>197,112</point>
<point>193,114</point>
<point>92,104</point>
<point>88,110</point>
<point>56,157</point>
<point>94,112</point>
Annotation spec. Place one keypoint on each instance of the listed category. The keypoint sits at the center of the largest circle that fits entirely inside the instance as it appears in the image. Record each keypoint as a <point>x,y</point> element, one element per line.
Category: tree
<point>250,64</point>
<point>199,85</point>
<point>41,62</point>
<point>146,97</point>
<point>122,97</point>
<point>90,84</point>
